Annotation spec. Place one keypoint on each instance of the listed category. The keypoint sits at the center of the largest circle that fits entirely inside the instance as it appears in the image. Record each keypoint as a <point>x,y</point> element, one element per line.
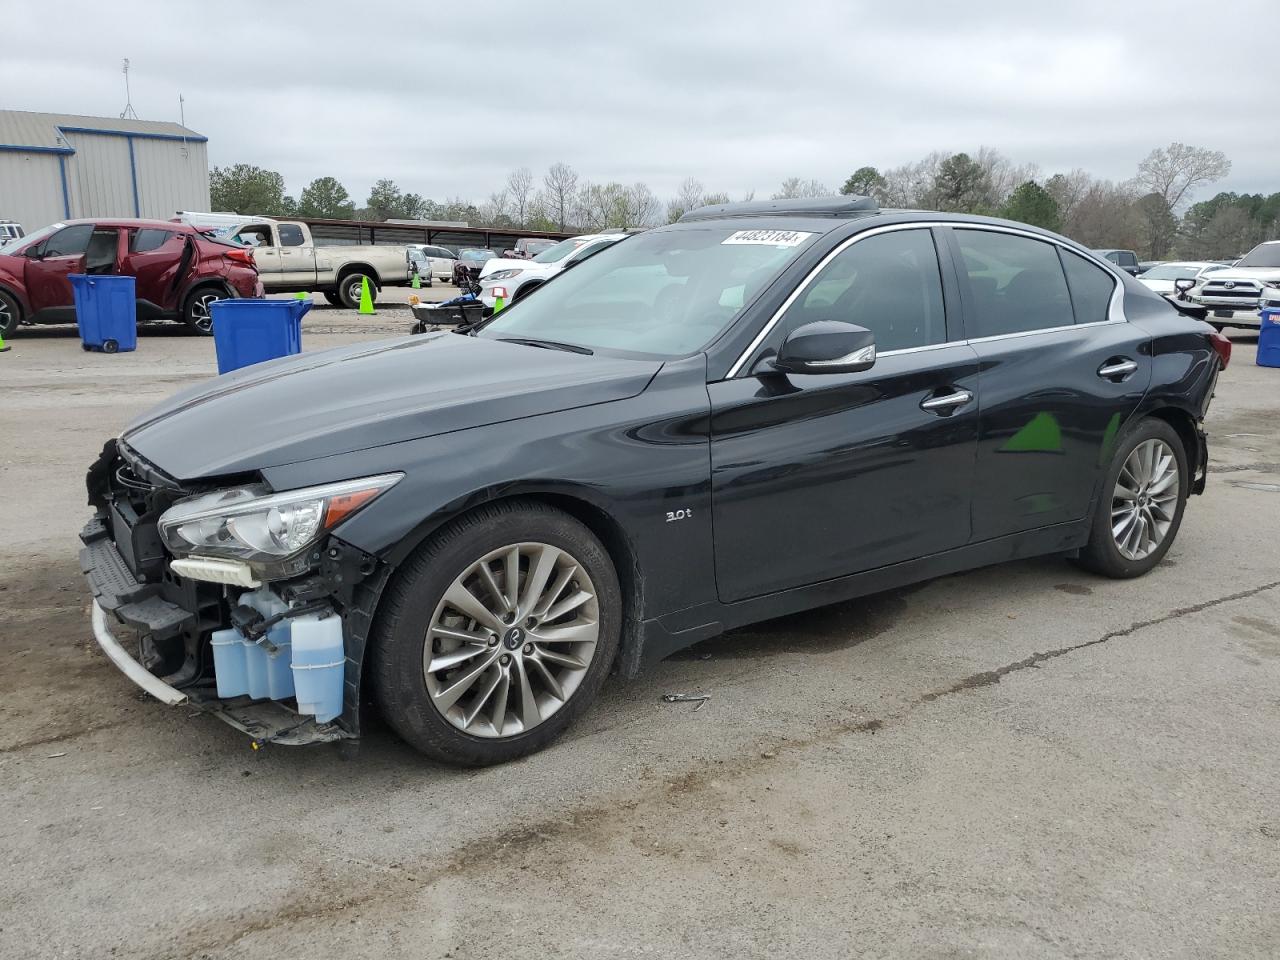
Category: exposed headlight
<point>503,274</point>
<point>269,531</point>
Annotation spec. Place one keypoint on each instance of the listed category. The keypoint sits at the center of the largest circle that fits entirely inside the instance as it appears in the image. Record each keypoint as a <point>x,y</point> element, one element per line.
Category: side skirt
<point>660,637</point>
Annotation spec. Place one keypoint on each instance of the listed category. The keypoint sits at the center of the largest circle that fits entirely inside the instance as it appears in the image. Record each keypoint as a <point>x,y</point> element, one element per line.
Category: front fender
<point>637,460</point>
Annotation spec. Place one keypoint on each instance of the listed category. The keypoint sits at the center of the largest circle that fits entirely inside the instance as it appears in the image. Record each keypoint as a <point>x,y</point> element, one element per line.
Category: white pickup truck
<point>289,261</point>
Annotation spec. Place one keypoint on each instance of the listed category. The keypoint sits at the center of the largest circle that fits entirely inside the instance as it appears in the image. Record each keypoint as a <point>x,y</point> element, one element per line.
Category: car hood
<point>1242,273</point>
<point>368,395</point>
<point>504,263</point>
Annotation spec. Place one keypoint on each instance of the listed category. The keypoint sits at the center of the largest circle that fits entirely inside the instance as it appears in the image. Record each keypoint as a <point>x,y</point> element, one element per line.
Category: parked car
<point>178,271</point>
<point>527,248</point>
<point>760,409</point>
<point>10,230</point>
<point>1241,287</point>
<point>291,262</point>
<point>466,269</point>
<point>1126,260</point>
<point>1161,278</point>
<point>431,262</point>
<point>520,277</point>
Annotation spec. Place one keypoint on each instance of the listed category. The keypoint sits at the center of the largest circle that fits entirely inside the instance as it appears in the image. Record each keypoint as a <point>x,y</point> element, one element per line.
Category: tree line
<point>1151,212</point>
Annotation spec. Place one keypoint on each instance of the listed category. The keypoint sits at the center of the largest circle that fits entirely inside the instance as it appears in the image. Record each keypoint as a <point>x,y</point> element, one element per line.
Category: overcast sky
<point>447,97</point>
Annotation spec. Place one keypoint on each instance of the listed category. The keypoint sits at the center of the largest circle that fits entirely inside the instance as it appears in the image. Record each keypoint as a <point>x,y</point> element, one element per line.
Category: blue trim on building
<point>191,137</point>
<point>22,148</point>
<point>66,194</point>
<point>133,172</point>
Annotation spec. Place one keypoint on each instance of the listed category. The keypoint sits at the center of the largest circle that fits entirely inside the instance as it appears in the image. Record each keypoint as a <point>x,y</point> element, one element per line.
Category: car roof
<point>170,225</point>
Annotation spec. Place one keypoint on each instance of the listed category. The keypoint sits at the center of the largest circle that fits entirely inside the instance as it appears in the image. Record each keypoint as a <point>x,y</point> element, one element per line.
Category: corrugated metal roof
<point>20,128</point>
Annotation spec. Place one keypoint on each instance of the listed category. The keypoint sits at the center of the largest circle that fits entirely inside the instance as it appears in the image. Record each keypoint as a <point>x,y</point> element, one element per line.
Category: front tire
<point>496,634</point>
<point>196,313</point>
<point>1140,506</point>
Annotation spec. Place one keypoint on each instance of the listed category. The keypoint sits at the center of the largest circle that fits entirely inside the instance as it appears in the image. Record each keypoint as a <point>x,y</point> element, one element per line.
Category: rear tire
<point>9,314</point>
<point>1136,519</point>
<point>530,650</point>
<point>196,313</point>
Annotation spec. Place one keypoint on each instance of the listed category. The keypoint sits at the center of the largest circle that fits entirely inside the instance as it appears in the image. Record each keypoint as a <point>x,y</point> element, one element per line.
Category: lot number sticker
<point>769,238</point>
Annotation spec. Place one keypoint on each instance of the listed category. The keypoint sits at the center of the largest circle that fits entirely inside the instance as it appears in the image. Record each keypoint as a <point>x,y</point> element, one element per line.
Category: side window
<point>889,283</point>
<point>1091,288</point>
<point>1016,284</point>
<point>69,242</point>
<point>291,235</point>
<point>259,236</point>
<point>1126,259</point>
<point>100,254</point>
<point>140,241</point>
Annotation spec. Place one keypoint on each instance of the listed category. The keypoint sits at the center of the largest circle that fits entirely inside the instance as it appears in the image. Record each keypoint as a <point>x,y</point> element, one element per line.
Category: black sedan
<point>471,260</point>
<point>760,409</point>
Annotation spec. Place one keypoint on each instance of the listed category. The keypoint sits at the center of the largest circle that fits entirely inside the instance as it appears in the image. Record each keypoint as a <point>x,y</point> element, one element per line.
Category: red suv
<point>179,271</point>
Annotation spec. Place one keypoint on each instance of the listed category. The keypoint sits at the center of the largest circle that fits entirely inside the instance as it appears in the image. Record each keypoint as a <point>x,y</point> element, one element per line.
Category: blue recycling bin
<point>1269,337</point>
<point>251,331</point>
<point>106,312</point>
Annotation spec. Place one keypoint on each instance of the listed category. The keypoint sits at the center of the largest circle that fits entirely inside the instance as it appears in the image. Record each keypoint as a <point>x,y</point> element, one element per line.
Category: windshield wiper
<point>548,344</point>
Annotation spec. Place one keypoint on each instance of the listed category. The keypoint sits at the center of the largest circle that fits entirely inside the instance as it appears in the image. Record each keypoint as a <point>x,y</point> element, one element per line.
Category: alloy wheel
<point>201,316</point>
<point>1145,499</point>
<point>511,640</point>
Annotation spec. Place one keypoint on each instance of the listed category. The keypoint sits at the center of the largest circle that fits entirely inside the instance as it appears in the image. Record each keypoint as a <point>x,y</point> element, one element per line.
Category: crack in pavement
<point>478,855</point>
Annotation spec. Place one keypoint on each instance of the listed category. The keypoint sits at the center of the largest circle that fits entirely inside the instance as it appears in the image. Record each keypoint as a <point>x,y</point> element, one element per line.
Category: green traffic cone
<point>366,299</point>
<point>416,284</point>
<point>301,296</point>
<point>498,304</point>
<point>4,347</point>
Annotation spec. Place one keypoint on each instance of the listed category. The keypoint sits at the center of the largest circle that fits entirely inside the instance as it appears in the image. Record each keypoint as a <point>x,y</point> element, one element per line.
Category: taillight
<point>1222,346</point>
<point>241,256</point>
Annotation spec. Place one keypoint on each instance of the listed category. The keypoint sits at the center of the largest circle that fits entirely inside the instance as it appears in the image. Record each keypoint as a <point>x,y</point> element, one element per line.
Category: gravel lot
<point>1021,761</point>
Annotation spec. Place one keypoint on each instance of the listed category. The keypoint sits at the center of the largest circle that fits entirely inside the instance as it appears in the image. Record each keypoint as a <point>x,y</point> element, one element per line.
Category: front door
<point>59,256</point>
<point>818,477</point>
<point>297,256</point>
<point>266,255</point>
<point>1061,374</point>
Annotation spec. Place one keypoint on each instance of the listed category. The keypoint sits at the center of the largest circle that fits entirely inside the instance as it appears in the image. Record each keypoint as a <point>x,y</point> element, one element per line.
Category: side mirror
<point>827,346</point>
<point>1182,285</point>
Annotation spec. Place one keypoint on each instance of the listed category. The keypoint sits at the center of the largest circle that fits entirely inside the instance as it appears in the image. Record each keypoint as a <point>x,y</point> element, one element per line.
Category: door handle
<point>1117,369</point>
<point>946,403</point>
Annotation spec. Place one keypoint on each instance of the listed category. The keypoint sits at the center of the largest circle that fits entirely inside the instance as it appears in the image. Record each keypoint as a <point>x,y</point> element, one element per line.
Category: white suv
<point>1241,287</point>
<point>431,262</point>
<point>518,277</point>
<point>10,230</point>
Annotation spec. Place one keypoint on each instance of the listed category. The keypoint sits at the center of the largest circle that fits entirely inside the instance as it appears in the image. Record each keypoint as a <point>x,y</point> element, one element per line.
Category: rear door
<point>1061,373</point>
<point>818,477</point>
<point>297,255</point>
<point>155,259</point>
<point>61,255</point>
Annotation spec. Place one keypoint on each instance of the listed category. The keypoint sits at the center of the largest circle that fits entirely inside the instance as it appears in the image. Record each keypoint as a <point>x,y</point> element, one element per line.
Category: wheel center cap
<point>514,637</point>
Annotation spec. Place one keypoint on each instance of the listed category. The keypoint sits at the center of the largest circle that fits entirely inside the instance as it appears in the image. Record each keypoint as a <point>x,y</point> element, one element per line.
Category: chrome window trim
<point>1115,312</point>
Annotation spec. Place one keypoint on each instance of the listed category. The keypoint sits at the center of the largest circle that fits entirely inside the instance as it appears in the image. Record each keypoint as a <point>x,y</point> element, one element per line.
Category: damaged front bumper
<point>266,721</point>
<point>121,599</point>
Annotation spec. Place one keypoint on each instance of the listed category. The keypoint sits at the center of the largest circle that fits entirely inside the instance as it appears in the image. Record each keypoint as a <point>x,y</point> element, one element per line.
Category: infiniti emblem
<point>514,637</point>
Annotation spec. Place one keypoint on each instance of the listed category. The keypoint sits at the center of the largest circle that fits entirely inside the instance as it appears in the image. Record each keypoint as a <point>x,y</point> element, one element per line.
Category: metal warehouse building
<point>56,167</point>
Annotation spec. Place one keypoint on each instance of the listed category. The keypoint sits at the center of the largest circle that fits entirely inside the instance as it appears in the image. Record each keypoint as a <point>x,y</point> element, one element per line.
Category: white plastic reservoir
<point>319,665</point>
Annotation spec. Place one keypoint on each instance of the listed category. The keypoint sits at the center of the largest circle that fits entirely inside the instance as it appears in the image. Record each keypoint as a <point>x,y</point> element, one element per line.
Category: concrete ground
<point>1023,761</point>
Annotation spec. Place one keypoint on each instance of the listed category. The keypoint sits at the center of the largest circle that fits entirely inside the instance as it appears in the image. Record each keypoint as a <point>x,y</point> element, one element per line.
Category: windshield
<point>559,251</point>
<point>11,247</point>
<point>666,293</point>
<point>472,253</point>
<point>1170,273</point>
<point>1263,255</point>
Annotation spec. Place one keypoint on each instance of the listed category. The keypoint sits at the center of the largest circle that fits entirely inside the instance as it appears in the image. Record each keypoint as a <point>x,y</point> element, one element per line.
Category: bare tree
<point>1176,170</point>
<point>496,210</point>
<point>519,190</point>
<point>795,187</point>
<point>715,199</point>
<point>689,196</point>
<point>1067,189</point>
<point>561,187</point>
<point>640,207</point>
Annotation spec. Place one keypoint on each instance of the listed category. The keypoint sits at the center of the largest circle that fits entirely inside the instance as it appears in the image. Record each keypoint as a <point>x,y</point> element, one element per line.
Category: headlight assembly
<point>503,274</point>
<point>269,531</point>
